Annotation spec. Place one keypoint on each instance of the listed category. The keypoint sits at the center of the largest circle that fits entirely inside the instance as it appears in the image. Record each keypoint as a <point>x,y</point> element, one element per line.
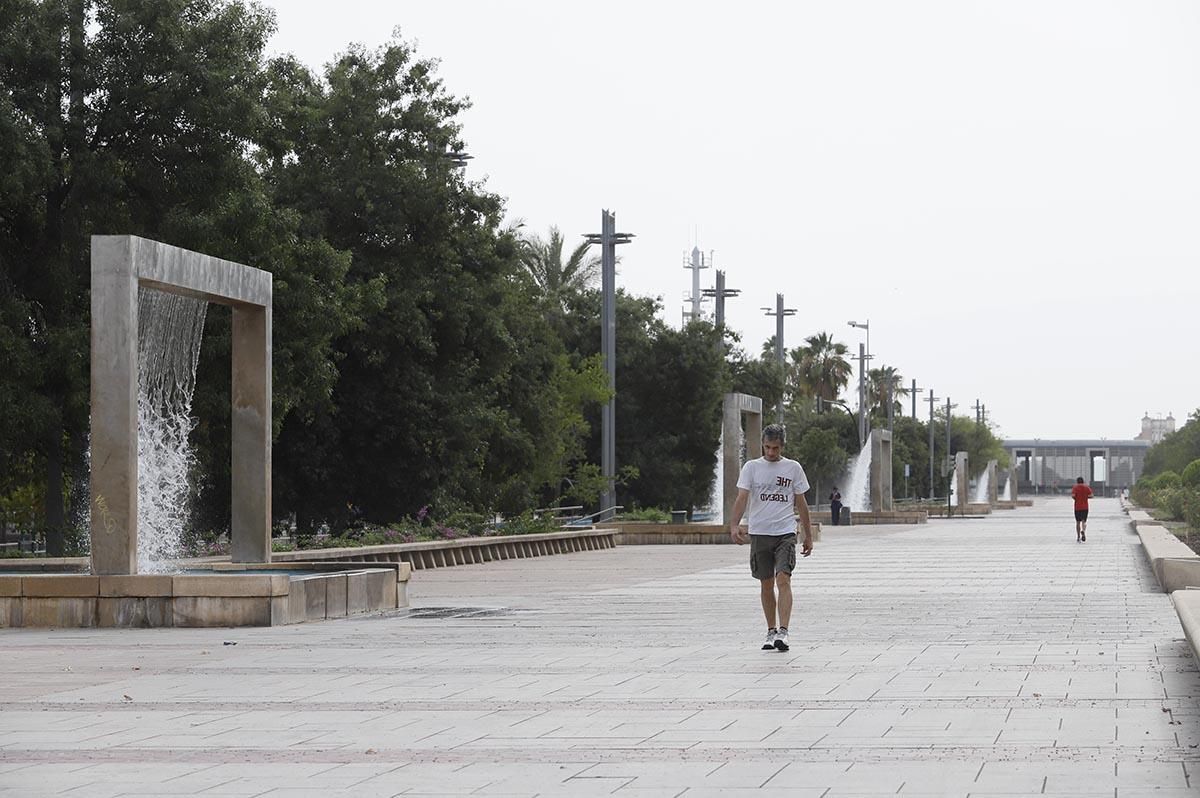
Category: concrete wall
<point>962,476</point>
<point>881,471</point>
<point>222,598</point>
<point>734,408</point>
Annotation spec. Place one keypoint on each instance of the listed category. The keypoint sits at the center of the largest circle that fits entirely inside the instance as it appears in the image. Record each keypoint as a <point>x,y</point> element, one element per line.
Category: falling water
<point>858,483</point>
<point>982,487</point>
<point>1007,494</point>
<point>716,498</point>
<point>954,488</point>
<point>83,511</point>
<point>169,331</point>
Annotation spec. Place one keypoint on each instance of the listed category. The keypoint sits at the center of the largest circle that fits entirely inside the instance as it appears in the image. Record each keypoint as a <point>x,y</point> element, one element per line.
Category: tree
<point>1191,475</point>
<point>881,383</point>
<point>1175,451</point>
<point>979,442</point>
<point>823,459</point>
<point>450,390</point>
<point>670,385</point>
<point>556,278</point>
<point>910,446</point>
<point>116,116</point>
<point>820,368</point>
<point>671,436</point>
<point>23,408</point>
<point>761,377</point>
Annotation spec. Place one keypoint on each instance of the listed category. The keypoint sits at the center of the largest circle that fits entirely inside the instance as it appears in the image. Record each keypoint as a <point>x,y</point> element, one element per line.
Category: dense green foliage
<point>1170,498</point>
<point>669,388</point>
<point>422,354</point>
<point>1177,450</point>
<point>447,391</point>
<point>910,446</point>
<point>1171,481</point>
<point>1174,495</point>
<point>115,116</point>
<point>425,356</point>
<point>819,367</point>
<point>823,458</point>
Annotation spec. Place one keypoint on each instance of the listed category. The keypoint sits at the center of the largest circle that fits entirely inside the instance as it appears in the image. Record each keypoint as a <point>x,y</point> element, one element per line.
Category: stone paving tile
<point>965,657</point>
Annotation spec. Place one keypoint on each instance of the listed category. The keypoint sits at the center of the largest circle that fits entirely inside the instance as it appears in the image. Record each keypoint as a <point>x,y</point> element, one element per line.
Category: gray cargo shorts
<point>772,554</point>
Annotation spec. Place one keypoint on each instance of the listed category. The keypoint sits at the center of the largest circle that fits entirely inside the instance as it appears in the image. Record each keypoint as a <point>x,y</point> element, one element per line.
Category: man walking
<point>1080,493</point>
<point>773,488</point>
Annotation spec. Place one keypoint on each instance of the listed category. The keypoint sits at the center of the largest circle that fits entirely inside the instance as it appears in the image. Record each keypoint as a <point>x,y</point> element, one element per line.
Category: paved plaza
<point>967,657</point>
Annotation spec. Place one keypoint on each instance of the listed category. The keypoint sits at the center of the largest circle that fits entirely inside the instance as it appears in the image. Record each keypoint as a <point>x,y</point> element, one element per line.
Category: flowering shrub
<point>205,544</point>
<point>424,527</point>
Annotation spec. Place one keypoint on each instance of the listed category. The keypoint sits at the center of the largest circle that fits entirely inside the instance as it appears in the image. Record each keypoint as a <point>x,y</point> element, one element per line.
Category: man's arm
<point>735,518</point>
<point>805,524</point>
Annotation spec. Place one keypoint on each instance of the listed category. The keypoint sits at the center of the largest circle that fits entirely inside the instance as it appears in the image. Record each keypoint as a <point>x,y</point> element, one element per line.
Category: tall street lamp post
<point>949,459</point>
<point>608,238</point>
<point>890,411</point>
<point>932,400</point>
<point>915,391</point>
<point>779,313</point>
<point>720,293</point>
<point>863,357</point>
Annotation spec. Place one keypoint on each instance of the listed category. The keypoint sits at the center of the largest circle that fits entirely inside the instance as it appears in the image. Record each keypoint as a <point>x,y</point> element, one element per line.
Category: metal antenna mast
<point>696,296</point>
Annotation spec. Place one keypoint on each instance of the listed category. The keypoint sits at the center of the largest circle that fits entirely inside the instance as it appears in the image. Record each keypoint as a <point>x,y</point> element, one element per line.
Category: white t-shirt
<point>772,487</point>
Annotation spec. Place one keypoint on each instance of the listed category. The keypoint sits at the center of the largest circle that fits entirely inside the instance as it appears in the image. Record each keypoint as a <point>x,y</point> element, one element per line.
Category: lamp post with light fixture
<point>863,357</point>
<point>779,312</point>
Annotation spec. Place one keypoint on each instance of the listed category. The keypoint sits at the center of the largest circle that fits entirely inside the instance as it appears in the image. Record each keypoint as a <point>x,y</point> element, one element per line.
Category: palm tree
<point>820,367</point>
<point>558,279</point>
<point>878,381</point>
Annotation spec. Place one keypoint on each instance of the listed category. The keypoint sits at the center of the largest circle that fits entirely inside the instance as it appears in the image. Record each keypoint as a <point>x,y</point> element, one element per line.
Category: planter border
<point>461,551</point>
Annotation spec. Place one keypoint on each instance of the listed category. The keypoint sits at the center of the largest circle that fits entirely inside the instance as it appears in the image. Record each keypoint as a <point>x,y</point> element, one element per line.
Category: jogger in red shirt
<point>1080,493</point>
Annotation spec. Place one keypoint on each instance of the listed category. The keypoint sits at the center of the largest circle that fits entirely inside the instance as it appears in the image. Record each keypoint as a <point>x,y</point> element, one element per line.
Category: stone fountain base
<point>217,594</point>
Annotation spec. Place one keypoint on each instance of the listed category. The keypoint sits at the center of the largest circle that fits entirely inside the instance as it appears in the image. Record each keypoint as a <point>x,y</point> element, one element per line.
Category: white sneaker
<point>769,643</point>
<point>781,640</point>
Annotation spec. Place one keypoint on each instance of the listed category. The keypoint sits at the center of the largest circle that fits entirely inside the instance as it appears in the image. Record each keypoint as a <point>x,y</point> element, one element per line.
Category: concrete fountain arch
<point>120,264</point>
<point>250,590</point>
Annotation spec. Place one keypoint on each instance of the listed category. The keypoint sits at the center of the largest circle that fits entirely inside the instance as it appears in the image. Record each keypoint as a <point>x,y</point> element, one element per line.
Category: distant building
<point>1155,429</point>
<point>1051,466</point>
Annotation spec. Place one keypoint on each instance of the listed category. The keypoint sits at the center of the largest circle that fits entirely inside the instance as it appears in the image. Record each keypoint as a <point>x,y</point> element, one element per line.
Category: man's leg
<point>767,594</point>
<point>784,581</point>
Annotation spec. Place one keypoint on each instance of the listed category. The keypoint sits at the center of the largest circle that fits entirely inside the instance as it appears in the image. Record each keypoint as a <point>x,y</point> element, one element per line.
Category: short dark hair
<point>1079,480</point>
<point>774,432</point>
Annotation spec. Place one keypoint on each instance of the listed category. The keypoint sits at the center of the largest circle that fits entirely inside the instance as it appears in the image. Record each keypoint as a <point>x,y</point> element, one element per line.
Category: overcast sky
<point>1008,191</point>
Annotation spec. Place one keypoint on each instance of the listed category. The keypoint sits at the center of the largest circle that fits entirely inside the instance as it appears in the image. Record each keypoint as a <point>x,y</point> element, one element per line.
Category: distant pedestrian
<point>835,506</point>
<point>773,488</point>
<point>1080,493</point>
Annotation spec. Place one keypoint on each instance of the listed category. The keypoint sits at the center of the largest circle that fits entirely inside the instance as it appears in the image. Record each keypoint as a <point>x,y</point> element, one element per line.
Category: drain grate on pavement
<point>459,612</point>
